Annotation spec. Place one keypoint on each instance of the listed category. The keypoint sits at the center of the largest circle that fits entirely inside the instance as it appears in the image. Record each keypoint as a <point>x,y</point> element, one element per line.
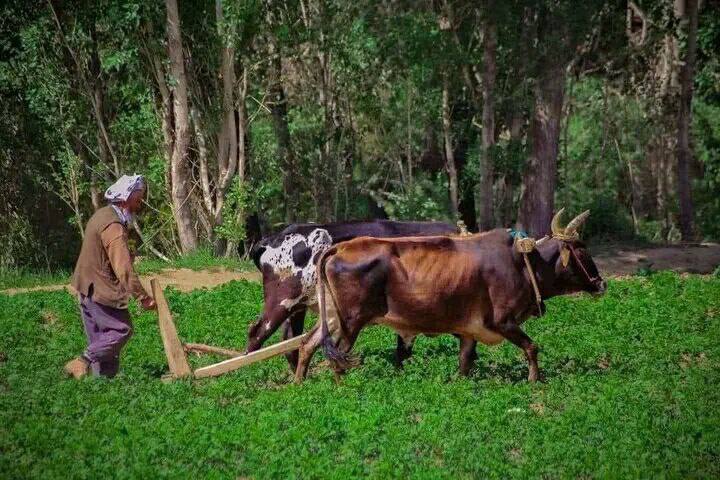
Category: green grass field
<point>632,390</point>
<point>14,278</point>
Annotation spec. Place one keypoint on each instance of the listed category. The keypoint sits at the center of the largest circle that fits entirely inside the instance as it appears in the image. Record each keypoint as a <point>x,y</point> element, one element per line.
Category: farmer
<point>104,279</point>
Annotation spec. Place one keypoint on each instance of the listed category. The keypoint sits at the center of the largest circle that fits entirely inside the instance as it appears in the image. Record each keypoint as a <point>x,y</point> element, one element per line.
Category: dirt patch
<point>186,280</point>
<point>41,288</point>
<point>183,279</point>
<point>619,260</point>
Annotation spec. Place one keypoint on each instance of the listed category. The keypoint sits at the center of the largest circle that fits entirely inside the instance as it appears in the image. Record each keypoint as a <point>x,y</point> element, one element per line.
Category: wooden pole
<point>256,356</point>
<point>177,361</point>
<point>202,348</point>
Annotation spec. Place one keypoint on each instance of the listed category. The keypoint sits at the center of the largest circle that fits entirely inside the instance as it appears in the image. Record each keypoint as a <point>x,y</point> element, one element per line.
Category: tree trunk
<point>215,184</point>
<point>511,182</point>
<point>96,195</point>
<point>540,177</point>
<point>278,110</point>
<point>658,160</point>
<point>449,155</point>
<point>634,197</point>
<point>321,177</point>
<point>683,152</point>
<point>241,122</point>
<point>97,83</point>
<point>179,173</point>
<point>487,220</point>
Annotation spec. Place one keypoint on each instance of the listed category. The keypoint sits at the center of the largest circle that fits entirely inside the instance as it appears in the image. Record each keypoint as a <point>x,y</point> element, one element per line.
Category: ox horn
<point>555,227</point>
<point>575,223</point>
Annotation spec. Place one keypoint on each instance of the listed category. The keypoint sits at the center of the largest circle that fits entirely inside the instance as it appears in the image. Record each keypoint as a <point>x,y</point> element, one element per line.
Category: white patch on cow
<point>289,303</point>
<point>280,259</point>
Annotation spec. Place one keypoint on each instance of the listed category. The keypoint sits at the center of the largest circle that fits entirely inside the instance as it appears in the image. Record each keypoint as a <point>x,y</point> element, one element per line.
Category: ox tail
<point>339,360</point>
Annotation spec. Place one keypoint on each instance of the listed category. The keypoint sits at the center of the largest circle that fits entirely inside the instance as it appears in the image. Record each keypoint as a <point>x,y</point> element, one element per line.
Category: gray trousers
<point>108,330</point>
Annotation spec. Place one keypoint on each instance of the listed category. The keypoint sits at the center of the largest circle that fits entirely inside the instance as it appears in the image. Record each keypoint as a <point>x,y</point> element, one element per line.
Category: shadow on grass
<point>382,363</point>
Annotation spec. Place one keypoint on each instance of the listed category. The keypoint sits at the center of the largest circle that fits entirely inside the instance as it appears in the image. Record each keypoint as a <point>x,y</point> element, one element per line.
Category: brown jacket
<point>105,263</point>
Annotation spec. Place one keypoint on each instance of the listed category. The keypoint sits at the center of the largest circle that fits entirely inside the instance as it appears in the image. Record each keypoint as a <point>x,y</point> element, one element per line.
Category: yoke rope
<point>525,245</point>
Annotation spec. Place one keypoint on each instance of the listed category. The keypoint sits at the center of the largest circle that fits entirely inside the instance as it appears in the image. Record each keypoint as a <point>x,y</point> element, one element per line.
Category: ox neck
<point>543,260</point>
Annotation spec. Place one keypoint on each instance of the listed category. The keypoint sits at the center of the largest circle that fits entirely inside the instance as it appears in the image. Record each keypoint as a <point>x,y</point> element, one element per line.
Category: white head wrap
<point>121,190</point>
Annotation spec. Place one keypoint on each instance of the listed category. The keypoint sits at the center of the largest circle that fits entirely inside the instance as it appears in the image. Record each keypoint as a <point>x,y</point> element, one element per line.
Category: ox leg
<point>468,355</point>
<point>266,325</point>
<point>403,350</point>
<point>513,333</point>
<point>293,327</point>
<point>306,351</point>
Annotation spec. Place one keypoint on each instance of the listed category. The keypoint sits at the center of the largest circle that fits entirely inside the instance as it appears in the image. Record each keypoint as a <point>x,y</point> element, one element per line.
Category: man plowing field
<point>105,279</point>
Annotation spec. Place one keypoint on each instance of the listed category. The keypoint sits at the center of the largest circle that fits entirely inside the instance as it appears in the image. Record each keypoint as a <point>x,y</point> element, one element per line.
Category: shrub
<point>608,219</point>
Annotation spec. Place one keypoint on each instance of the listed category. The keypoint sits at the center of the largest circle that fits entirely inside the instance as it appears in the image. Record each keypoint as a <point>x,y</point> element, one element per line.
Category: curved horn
<point>555,227</point>
<point>576,222</point>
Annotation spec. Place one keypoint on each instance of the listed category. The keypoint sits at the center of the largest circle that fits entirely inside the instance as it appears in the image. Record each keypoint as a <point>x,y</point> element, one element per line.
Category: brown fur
<point>475,287</point>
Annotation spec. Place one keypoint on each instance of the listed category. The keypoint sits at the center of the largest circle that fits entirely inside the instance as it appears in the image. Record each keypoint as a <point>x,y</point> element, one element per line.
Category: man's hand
<point>148,303</point>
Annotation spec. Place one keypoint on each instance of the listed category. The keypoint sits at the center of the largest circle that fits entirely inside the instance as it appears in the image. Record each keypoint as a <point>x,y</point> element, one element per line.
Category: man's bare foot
<point>77,368</point>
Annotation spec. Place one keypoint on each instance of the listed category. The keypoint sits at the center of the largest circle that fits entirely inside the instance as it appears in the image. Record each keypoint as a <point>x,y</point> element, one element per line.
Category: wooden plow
<point>176,352</point>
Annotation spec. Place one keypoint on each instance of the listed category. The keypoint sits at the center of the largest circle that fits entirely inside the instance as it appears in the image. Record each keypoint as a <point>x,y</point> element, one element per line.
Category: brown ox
<point>475,287</point>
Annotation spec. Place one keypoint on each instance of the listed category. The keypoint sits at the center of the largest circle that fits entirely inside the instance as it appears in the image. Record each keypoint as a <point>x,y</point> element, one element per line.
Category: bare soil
<point>613,260</point>
<point>623,260</point>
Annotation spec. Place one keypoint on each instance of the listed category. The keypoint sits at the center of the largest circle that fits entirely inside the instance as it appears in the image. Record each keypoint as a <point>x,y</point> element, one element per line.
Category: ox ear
<point>564,255</point>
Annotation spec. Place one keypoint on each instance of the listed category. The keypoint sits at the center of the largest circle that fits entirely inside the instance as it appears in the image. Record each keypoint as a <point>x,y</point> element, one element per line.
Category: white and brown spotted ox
<point>476,287</point>
<point>288,259</point>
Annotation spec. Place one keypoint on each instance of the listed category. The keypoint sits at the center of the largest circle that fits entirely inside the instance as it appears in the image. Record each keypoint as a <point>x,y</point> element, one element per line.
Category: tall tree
<point>215,178</point>
<point>179,161</point>
<point>450,165</point>
<point>279,111</point>
<point>560,28</point>
<point>689,15</point>
<point>489,74</point>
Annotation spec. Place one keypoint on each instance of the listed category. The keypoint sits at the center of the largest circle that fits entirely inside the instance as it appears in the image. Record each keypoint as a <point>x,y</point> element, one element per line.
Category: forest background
<point>247,115</point>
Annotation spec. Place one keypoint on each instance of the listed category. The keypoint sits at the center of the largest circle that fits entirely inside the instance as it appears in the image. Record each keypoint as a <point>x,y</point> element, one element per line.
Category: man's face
<point>135,201</point>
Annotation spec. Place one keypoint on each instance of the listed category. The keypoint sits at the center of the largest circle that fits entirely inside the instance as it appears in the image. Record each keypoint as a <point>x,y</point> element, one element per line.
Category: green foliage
<point>631,390</point>
<point>706,78</point>
<point>424,199</point>
<point>264,170</point>
<point>706,127</point>
<point>362,83</point>
<point>238,201</point>
<point>20,278</point>
<point>17,240</point>
<point>605,133</point>
<point>201,259</point>
<point>608,219</point>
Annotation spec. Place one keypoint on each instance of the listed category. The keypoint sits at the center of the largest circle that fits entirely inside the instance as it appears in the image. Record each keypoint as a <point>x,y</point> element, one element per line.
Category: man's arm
<point>114,239</point>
